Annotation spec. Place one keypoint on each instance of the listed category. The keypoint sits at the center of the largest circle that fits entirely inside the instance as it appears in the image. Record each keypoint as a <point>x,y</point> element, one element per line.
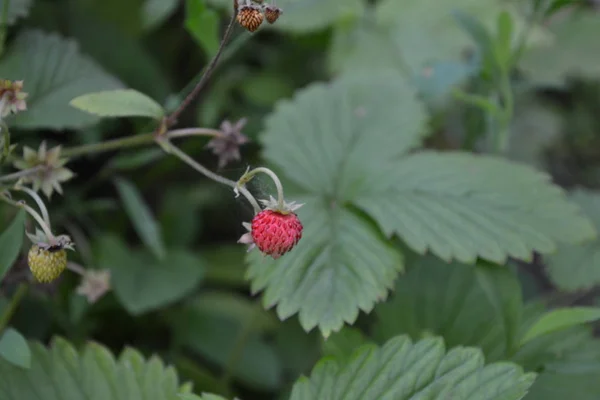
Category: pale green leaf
<point>332,139</point>
<point>16,9</point>
<point>155,12</point>
<point>574,50</point>
<point>559,319</point>
<point>345,144</point>
<point>11,241</point>
<point>577,267</point>
<point>203,24</point>
<point>463,206</point>
<point>411,35</point>
<point>213,334</point>
<point>14,349</point>
<point>403,370</point>
<point>309,15</point>
<point>467,305</point>
<point>119,103</point>
<point>141,217</point>
<point>54,72</point>
<point>63,373</point>
<point>141,282</point>
<point>340,266</point>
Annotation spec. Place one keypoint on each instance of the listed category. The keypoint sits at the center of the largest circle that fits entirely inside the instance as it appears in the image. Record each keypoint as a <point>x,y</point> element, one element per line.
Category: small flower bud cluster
<point>251,15</point>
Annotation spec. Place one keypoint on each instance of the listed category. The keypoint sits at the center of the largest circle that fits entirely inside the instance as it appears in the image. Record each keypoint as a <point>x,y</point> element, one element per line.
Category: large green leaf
<point>309,15</point>
<point>16,9</point>
<point>141,282</point>
<point>11,241</point>
<point>345,145</point>
<point>461,206</point>
<point>575,267</point>
<point>63,373</point>
<point>471,306</point>
<point>401,369</point>
<point>574,50</point>
<point>340,266</point>
<point>54,72</point>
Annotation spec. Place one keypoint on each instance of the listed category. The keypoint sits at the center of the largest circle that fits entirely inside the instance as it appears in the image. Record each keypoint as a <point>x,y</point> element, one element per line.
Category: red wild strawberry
<point>275,233</point>
<point>275,230</point>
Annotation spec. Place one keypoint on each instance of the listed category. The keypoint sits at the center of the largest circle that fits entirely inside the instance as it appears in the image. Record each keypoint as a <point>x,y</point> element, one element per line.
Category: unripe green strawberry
<point>275,233</point>
<point>47,264</point>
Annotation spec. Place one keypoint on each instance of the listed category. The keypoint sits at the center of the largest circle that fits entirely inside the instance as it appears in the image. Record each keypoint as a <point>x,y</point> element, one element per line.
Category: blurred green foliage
<point>378,116</point>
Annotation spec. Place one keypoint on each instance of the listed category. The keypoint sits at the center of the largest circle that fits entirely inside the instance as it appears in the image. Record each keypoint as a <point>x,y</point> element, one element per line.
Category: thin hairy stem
<point>170,148</point>
<point>177,133</point>
<point>21,174</point>
<point>38,201</point>
<point>78,269</point>
<point>247,177</point>
<point>33,213</point>
<point>172,118</point>
<point>135,141</point>
<point>115,144</point>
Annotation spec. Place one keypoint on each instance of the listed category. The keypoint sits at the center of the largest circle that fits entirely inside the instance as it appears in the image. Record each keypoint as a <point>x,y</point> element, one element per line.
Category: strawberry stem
<point>174,150</point>
<point>247,177</point>
<point>38,200</point>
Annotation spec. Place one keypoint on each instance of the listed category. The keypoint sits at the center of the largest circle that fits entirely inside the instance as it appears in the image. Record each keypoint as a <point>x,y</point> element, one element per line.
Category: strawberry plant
<point>334,200</point>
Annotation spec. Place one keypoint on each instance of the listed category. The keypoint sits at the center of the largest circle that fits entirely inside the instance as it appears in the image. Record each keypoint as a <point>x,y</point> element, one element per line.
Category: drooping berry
<point>272,13</point>
<point>275,233</point>
<point>47,264</point>
<point>250,17</point>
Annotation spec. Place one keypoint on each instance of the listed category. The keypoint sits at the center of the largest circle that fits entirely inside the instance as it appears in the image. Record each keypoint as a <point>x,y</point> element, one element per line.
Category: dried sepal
<point>52,171</point>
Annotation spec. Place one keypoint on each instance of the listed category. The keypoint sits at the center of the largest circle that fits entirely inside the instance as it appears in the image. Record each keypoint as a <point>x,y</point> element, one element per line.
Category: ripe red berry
<point>275,233</point>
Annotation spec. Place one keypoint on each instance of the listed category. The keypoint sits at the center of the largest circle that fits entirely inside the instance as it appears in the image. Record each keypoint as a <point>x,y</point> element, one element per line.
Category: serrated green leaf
<point>467,305</point>
<point>575,267</point>
<point>119,103</point>
<point>345,145</point>
<point>302,16</point>
<point>54,72</point>
<point>141,282</point>
<point>330,139</point>
<point>16,9</point>
<point>11,241</point>
<point>401,370</point>
<point>14,349</point>
<point>203,24</point>
<point>93,373</point>
<point>141,217</point>
<point>463,206</point>
<point>574,50</point>
<point>131,60</point>
<point>556,320</point>
<point>340,266</point>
